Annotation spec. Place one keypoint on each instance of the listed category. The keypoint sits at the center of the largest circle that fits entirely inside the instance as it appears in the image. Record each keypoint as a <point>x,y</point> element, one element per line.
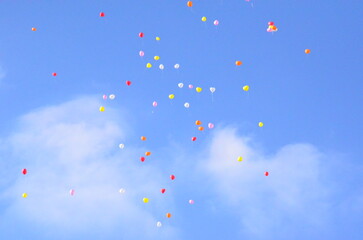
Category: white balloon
<point>112,96</point>
<point>180,85</point>
<point>158,224</point>
<point>121,146</point>
<point>212,89</point>
<point>161,66</point>
<point>176,66</point>
<point>122,190</point>
<point>186,105</point>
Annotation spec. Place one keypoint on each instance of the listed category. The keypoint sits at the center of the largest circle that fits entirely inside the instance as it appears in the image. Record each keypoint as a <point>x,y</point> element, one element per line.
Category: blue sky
<point>310,105</point>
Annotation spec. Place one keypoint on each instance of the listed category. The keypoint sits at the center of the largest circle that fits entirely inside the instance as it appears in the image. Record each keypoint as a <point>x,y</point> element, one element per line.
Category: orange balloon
<point>168,215</point>
<point>189,3</point>
<point>201,128</point>
<point>143,138</point>
<point>198,122</point>
<point>238,63</point>
<point>307,51</point>
<point>34,29</point>
<point>274,28</point>
<point>148,153</point>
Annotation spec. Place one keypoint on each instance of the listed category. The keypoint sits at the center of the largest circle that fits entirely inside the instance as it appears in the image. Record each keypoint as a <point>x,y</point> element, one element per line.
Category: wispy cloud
<point>74,146</point>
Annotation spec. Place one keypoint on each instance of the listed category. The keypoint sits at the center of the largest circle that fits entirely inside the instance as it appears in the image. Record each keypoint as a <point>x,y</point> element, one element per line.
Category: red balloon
<point>163,190</point>
<point>102,14</point>
<point>54,74</point>
<point>141,34</point>
<point>172,177</point>
<point>24,171</point>
<point>266,174</point>
<point>271,23</point>
<point>194,138</point>
<point>128,83</point>
<point>142,159</point>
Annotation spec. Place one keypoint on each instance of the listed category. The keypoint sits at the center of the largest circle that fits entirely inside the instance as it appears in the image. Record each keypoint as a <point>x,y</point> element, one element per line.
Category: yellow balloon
<point>145,200</point>
<point>260,124</point>
<point>25,195</point>
<point>156,58</point>
<point>148,65</point>
<point>102,109</point>
<point>204,19</point>
<point>198,89</point>
<point>171,96</point>
<point>246,88</point>
<point>157,39</point>
<point>239,159</point>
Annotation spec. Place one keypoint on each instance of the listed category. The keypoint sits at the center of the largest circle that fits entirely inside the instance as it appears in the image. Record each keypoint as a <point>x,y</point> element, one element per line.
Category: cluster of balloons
<point>271,27</point>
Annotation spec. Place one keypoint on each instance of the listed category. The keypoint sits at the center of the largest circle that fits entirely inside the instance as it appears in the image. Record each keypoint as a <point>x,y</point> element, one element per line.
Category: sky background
<point>310,104</point>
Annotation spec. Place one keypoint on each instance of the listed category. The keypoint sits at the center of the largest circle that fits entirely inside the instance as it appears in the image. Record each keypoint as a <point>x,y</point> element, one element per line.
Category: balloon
<point>128,83</point>
<point>142,159</point>
<point>176,66</point>
<point>54,74</point>
<point>307,51</point>
<point>212,89</point>
<point>145,200</point>
<point>155,104</point>
<point>266,174</point>
<point>271,23</point>
<point>191,201</point>
<point>102,14</point>
<point>163,190</point>
<point>24,171</point>
<point>198,122</point>
<point>274,28</point>
<point>141,53</point>
<point>198,89</point>
<point>190,86</point>
<point>246,88</point>
<point>141,34</point>
<point>269,30</point>
<point>171,96</point>
<point>239,159</point>
<point>186,105</point>
<point>143,138</point>
<point>194,138</point>
<point>238,63</point>
<point>210,125</point>
<point>102,109</point>
<point>271,26</point>
<point>161,66</point>
<point>189,3</point>
<point>34,29</point>
<point>260,124</point>
<point>147,153</point>
<point>216,22</point>
<point>156,58</point>
<point>168,215</point>
<point>157,39</point>
<point>180,85</point>
<point>112,96</point>
<point>122,190</point>
<point>25,195</point>
<point>158,224</point>
<point>71,192</point>
<point>172,177</point>
<point>200,128</point>
<point>104,96</point>
<point>149,65</point>
<point>121,145</point>
<point>204,19</point>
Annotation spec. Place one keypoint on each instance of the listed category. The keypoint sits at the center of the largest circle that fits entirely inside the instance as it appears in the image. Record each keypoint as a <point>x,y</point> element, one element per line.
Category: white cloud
<point>74,146</point>
<point>293,194</point>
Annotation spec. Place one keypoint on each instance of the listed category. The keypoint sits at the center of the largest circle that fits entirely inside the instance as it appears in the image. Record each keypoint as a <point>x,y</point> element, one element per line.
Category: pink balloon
<point>191,201</point>
<point>216,22</point>
<point>155,104</point>
<point>71,192</point>
<point>210,125</point>
<point>190,86</point>
<point>141,53</point>
<point>269,30</point>
<point>104,97</point>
